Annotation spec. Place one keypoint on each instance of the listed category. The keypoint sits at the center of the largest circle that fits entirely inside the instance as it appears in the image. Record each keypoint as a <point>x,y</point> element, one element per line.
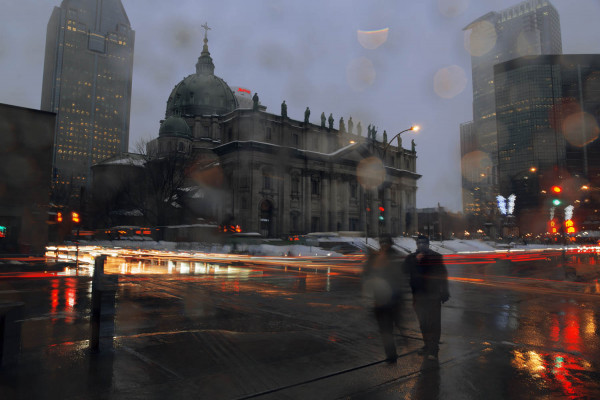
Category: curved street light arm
<point>412,128</point>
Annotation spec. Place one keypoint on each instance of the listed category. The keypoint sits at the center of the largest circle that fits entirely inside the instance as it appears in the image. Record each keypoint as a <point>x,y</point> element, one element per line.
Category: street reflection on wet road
<point>503,335</point>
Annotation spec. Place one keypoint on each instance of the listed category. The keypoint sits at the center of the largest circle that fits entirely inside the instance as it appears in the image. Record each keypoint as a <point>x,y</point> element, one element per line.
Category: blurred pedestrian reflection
<point>429,285</point>
<point>428,383</point>
<point>383,281</point>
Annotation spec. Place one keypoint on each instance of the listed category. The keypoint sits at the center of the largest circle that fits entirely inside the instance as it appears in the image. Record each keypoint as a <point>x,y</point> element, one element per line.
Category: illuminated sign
<point>570,226</point>
<point>75,217</point>
<point>511,203</point>
<point>569,212</point>
<point>502,204</point>
<point>2,231</point>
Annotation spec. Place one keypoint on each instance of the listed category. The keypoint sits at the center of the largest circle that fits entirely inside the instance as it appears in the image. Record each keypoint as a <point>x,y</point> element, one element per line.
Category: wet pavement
<point>217,331</point>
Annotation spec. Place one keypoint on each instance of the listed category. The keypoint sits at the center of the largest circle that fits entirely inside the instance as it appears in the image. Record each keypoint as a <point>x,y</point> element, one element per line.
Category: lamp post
<point>412,128</point>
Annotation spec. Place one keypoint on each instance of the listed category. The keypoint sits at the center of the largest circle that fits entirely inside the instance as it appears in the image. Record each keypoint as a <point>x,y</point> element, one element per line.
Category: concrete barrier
<point>102,321</point>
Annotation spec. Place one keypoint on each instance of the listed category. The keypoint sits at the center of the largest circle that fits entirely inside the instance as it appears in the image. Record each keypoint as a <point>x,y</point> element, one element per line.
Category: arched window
<point>353,190</point>
<point>266,180</point>
<point>295,184</point>
<point>315,184</point>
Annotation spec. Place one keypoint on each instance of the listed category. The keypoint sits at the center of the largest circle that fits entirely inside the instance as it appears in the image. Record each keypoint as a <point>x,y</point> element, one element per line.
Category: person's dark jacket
<point>383,277</point>
<point>428,276</point>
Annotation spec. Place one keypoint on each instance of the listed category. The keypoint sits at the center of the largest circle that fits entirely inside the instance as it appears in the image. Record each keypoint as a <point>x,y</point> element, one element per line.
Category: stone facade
<point>283,176</point>
<point>278,176</point>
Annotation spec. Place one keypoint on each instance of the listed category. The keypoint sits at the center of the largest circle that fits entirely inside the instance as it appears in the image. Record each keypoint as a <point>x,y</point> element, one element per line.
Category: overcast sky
<point>308,53</point>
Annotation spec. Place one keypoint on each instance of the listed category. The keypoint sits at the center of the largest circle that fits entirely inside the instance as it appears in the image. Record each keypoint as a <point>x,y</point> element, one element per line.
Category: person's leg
<point>431,325</point>
<point>435,313</point>
<point>385,320</point>
<point>421,311</point>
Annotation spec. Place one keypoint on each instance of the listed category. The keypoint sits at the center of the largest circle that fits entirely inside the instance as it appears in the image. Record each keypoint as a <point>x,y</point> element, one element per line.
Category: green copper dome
<point>175,126</point>
<point>201,93</point>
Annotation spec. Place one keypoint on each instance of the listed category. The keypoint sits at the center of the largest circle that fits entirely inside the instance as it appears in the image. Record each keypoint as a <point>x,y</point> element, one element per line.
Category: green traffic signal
<point>556,202</point>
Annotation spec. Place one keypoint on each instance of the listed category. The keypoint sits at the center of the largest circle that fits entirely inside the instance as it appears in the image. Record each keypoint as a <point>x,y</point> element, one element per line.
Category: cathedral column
<point>345,203</point>
<point>387,204</point>
<point>374,218</point>
<point>333,202</point>
<point>402,206</point>
<point>325,194</point>
<point>284,201</point>
<point>307,196</point>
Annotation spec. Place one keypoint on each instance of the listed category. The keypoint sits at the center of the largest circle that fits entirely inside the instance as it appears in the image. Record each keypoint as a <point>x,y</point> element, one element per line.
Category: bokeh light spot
<point>372,39</point>
<point>452,8</point>
<point>481,38</point>
<point>370,172</point>
<point>580,128</point>
<point>528,44</point>
<point>449,81</point>
<point>360,74</point>
<point>476,166</point>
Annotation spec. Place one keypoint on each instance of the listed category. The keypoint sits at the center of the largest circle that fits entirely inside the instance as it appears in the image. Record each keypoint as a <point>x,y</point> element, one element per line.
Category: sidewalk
<point>208,364</point>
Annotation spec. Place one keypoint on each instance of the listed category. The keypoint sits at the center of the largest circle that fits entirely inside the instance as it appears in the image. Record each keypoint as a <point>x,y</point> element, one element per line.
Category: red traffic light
<point>59,217</point>
<point>381,209</point>
<point>75,217</point>
<point>556,189</point>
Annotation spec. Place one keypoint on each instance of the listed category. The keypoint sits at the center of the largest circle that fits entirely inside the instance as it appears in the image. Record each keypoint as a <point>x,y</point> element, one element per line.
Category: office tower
<point>531,27</point>
<point>547,115</point>
<point>87,82</point>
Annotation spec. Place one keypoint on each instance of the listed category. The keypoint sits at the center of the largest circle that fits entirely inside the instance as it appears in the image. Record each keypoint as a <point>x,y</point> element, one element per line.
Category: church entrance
<point>266,218</point>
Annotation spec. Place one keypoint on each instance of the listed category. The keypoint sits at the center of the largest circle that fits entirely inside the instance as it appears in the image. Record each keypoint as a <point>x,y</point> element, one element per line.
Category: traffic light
<point>75,217</point>
<point>556,191</point>
<point>381,214</point>
<point>59,217</point>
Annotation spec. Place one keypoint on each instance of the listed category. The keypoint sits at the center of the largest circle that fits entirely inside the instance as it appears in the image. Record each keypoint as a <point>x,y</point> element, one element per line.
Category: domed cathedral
<point>277,176</point>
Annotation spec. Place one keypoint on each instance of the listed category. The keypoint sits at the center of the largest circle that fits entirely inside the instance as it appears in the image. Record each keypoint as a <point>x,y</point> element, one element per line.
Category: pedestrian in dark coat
<point>429,286</point>
<point>383,280</point>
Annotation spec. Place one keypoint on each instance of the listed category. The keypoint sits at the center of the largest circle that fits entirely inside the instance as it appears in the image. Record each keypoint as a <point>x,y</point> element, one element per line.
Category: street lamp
<point>412,128</point>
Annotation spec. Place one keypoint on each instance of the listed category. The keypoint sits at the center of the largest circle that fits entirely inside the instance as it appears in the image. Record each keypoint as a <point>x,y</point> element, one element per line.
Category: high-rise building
<point>531,27</point>
<point>87,82</point>
<point>548,108</point>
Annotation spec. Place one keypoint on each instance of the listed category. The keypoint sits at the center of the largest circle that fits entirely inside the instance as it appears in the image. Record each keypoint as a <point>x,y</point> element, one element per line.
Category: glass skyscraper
<point>548,108</point>
<point>87,80</point>
<point>531,27</point>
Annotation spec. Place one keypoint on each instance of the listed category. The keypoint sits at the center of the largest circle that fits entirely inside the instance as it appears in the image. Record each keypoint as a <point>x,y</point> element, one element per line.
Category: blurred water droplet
<point>452,8</point>
<point>360,74</point>
<point>449,81</point>
<point>580,128</point>
<point>528,43</point>
<point>372,39</point>
<point>481,38</point>
<point>370,172</point>
<point>476,166</point>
